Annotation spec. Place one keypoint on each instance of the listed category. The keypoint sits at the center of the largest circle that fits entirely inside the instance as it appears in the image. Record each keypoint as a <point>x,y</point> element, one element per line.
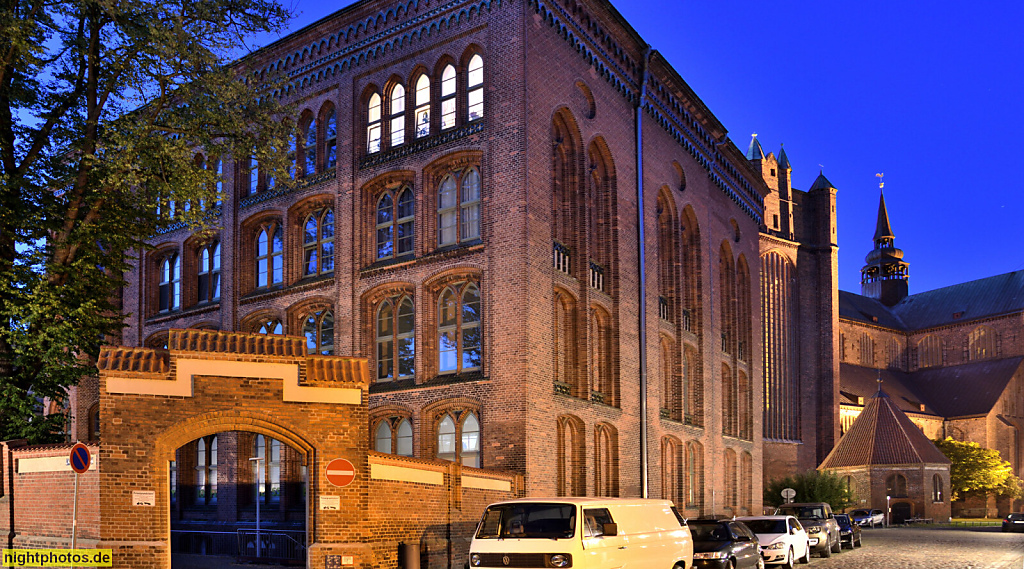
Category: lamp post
<point>888,510</point>
<point>259,483</point>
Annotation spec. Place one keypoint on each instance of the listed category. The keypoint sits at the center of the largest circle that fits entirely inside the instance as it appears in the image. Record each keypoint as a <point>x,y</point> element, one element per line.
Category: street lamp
<point>888,510</point>
<point>259,482</point>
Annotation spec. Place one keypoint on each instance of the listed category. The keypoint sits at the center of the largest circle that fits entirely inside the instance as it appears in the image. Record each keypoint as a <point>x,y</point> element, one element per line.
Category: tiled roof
<point>962,302</point>
<point>951,391</point>
<point>883,434</point>
<point>868,310</point>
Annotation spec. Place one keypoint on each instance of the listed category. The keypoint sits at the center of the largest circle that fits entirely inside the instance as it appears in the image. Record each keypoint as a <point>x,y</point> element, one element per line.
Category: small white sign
<point>330,502</point>
<point>143,498</point>
<point>347,560</point>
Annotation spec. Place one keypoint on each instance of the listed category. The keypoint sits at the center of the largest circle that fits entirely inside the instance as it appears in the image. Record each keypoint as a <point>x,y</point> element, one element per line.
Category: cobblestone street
<point>910,548</point>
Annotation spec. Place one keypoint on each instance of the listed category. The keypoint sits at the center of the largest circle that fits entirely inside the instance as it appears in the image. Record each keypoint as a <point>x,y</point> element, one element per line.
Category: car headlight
<point>711,555</point>
<point>474,560</point>
<point>778,545</point>
<point>845,531</point>
<point>560,560</point>
<point>813,529</point>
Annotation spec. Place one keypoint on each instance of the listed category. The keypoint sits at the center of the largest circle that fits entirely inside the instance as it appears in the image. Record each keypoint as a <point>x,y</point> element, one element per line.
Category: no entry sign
<point>340,472</point>
<point>80,458</point>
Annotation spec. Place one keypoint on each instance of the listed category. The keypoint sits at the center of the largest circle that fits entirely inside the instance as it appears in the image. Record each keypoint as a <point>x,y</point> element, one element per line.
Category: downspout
<point>641,265</point>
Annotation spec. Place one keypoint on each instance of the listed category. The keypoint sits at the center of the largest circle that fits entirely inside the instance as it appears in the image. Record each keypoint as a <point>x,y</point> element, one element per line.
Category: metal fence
<point>271,545</point>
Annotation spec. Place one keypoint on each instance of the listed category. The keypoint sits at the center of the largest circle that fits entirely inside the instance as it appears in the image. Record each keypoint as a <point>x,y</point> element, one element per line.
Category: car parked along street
<point>782,538</point>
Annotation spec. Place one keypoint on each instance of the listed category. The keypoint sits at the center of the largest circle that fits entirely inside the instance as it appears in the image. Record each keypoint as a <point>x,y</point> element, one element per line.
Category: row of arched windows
<point>387,124</point>
<point>572,458</point>
<point>779,343</point>
<point>595,376</point>
<point>682,473</point>
<point>456,437</point>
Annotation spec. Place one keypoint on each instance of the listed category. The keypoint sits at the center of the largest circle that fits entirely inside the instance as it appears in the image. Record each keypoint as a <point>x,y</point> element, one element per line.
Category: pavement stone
<point>918,548</point>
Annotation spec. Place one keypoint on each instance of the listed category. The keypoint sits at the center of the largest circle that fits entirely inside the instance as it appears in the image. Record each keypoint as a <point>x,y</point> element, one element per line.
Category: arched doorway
<point>237,496</point>
<point>901,512</point>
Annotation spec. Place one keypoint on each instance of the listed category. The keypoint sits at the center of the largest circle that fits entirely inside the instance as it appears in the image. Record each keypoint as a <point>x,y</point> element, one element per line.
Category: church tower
<point>885,275</point>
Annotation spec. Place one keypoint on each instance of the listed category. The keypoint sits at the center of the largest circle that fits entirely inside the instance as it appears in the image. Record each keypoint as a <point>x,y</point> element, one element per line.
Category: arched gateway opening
<point>237,496</point>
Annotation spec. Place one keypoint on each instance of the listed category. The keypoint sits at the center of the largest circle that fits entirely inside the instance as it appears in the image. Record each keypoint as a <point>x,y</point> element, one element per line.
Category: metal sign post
<point>79,461</point>
<point>788,494</point>
<point>259,472</point>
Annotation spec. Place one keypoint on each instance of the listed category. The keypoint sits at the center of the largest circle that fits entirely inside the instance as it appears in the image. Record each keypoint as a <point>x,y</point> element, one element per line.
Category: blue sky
<point>928,93</point>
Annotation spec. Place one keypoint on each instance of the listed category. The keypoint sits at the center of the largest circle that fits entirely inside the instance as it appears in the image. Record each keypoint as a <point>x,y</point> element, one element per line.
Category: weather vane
<point>881,184</point>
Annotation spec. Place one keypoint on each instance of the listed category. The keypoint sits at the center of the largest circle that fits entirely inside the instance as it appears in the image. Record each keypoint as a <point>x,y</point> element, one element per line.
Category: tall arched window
<point>475,88</point>
<point>867,350</point>
<point>937,495</point>
<point>896,486</point>
<point>747,482</point>
<point>669,397</point>
<point>728,402</point>
<point>422,106</point>
<point>270,326</point>
<point>309,147</point>
<point>253,168</point>
<point>981,343</point>
<point>570,455</point>
<point>446,439</point>
<point>318,243</point>
<point>565,344</point>
<point>396,339</point>
<point>373,124</point>
<point>267,471</point>
<point>448,97</point>
<point>459,334</point>
<point>269,256</point>
<point>694,475</point>
<point>671,471</point>
<point>170,283</point>
<point>395,218</point>
<point>209,272</point>
<point>330,140</point>
<point>319,332</point>
<point>744,405</point>
<point>693,411</point>
<point>602,381</point>
<point>382,437</point>
<point>470,449</point>
<point>397,108</point>
<point>606,461</point>
<point>929,351</point>
<point>403,438</point>
<point>731,483</point>
<point>206,470</point>
<point>458,207</point>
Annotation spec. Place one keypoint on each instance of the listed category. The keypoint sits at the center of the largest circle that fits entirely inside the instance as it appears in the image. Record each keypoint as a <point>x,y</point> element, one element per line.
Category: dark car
<point>724,544</point>
<point>868,517</point>
<point>850,534</point>
<point>1013,522</point>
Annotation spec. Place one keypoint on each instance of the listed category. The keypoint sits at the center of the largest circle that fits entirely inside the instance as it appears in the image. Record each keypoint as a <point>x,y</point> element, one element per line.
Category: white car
<point>782,538</point>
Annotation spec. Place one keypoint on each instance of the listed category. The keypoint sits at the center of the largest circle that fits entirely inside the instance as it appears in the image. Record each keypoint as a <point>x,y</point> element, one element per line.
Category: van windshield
<point>544,521</point>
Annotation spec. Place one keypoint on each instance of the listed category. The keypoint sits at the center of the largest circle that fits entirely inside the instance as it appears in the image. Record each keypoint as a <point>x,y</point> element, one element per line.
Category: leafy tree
<point>811,486</point>
<point>103,107</point>
<point>976,469</point>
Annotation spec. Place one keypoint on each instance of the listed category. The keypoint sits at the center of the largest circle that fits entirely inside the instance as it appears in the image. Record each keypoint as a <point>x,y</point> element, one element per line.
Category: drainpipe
<point>643,276</point>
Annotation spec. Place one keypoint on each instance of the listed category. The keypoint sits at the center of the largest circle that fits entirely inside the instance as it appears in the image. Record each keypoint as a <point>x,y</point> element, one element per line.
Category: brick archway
<point>217,422</point>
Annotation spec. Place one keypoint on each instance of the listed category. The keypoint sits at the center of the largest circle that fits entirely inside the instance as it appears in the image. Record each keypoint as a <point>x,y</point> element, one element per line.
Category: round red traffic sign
<point>80,458</point>
<point>340,472</point>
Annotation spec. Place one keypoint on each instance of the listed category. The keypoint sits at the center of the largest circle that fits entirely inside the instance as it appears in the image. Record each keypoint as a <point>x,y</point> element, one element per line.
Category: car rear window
<point>766,526</point>
<point>709,531</point>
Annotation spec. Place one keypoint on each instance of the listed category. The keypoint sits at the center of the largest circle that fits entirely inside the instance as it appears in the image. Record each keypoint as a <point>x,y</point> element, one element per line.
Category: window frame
<point>206,472</point>
<point>374,120</point>
<point>474,89</point>
<point>396,115</point>
<point>169,282</point>
<point>318,318</point>
<point>208,260</point>
<point>458,327</point>
<point>273,230</point>
<point>308,148</point>
<point>395,438</point>
<point>458,419</point>
<point>465,228</point>
<point>322,246</point>
<point>390,342</point>
<point>396,223</point>
<point>421,128</point>
<point>448,101</point>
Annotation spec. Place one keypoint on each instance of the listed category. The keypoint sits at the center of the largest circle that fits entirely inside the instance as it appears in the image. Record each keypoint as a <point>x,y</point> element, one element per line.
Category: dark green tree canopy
<point>976,469</point>
<point>811,486</point>
<point>104,107</point>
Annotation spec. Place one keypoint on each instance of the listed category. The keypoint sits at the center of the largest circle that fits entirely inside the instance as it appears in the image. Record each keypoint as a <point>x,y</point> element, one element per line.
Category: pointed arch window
<point>937,495</point>
<point>330,140</point>
<point>396,339</point>
<point>448,97</point>
<point>459,441</point>
<point>209,273</point>
<point>318,243</point>
<point>269,256</point>
<point>459,333</point>
<point>475,88</point>
<point>318,329</point>
<point>458,207</point>
<point>397,108</point>
<point>206,471</point>
<point>170,283</point>
<point>896,486</point>
<point>309,147</point>
<point>271,326</point>
<point>394,440</point>
<point>267,471</point>
<point>395,217</point>
<point>382,437</point>
<point>422,117</point>
<point>373,124</point>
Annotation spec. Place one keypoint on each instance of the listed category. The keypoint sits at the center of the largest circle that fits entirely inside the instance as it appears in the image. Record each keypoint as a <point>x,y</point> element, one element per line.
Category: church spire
<point>884,276</point>
<point>882,229</point>
<point>754,151</point>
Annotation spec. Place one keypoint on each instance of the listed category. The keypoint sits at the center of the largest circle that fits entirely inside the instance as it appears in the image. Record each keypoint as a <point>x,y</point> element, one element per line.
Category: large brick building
<point>466,219</point>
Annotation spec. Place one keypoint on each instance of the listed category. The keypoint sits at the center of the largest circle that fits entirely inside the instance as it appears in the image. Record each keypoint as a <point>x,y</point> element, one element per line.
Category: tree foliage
<point>976,469</point>
<point>811,486</point>
<point>103,108</point>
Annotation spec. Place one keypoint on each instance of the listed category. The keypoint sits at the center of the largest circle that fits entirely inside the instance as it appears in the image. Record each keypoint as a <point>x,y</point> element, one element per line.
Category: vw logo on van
<point>505,560</point>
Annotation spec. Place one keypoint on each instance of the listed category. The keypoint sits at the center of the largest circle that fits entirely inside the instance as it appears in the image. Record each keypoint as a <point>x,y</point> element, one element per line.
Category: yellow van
<point>595,533</point>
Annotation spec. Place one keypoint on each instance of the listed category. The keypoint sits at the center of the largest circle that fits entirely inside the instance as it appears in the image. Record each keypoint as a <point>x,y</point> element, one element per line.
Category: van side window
<point>594,521</point>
